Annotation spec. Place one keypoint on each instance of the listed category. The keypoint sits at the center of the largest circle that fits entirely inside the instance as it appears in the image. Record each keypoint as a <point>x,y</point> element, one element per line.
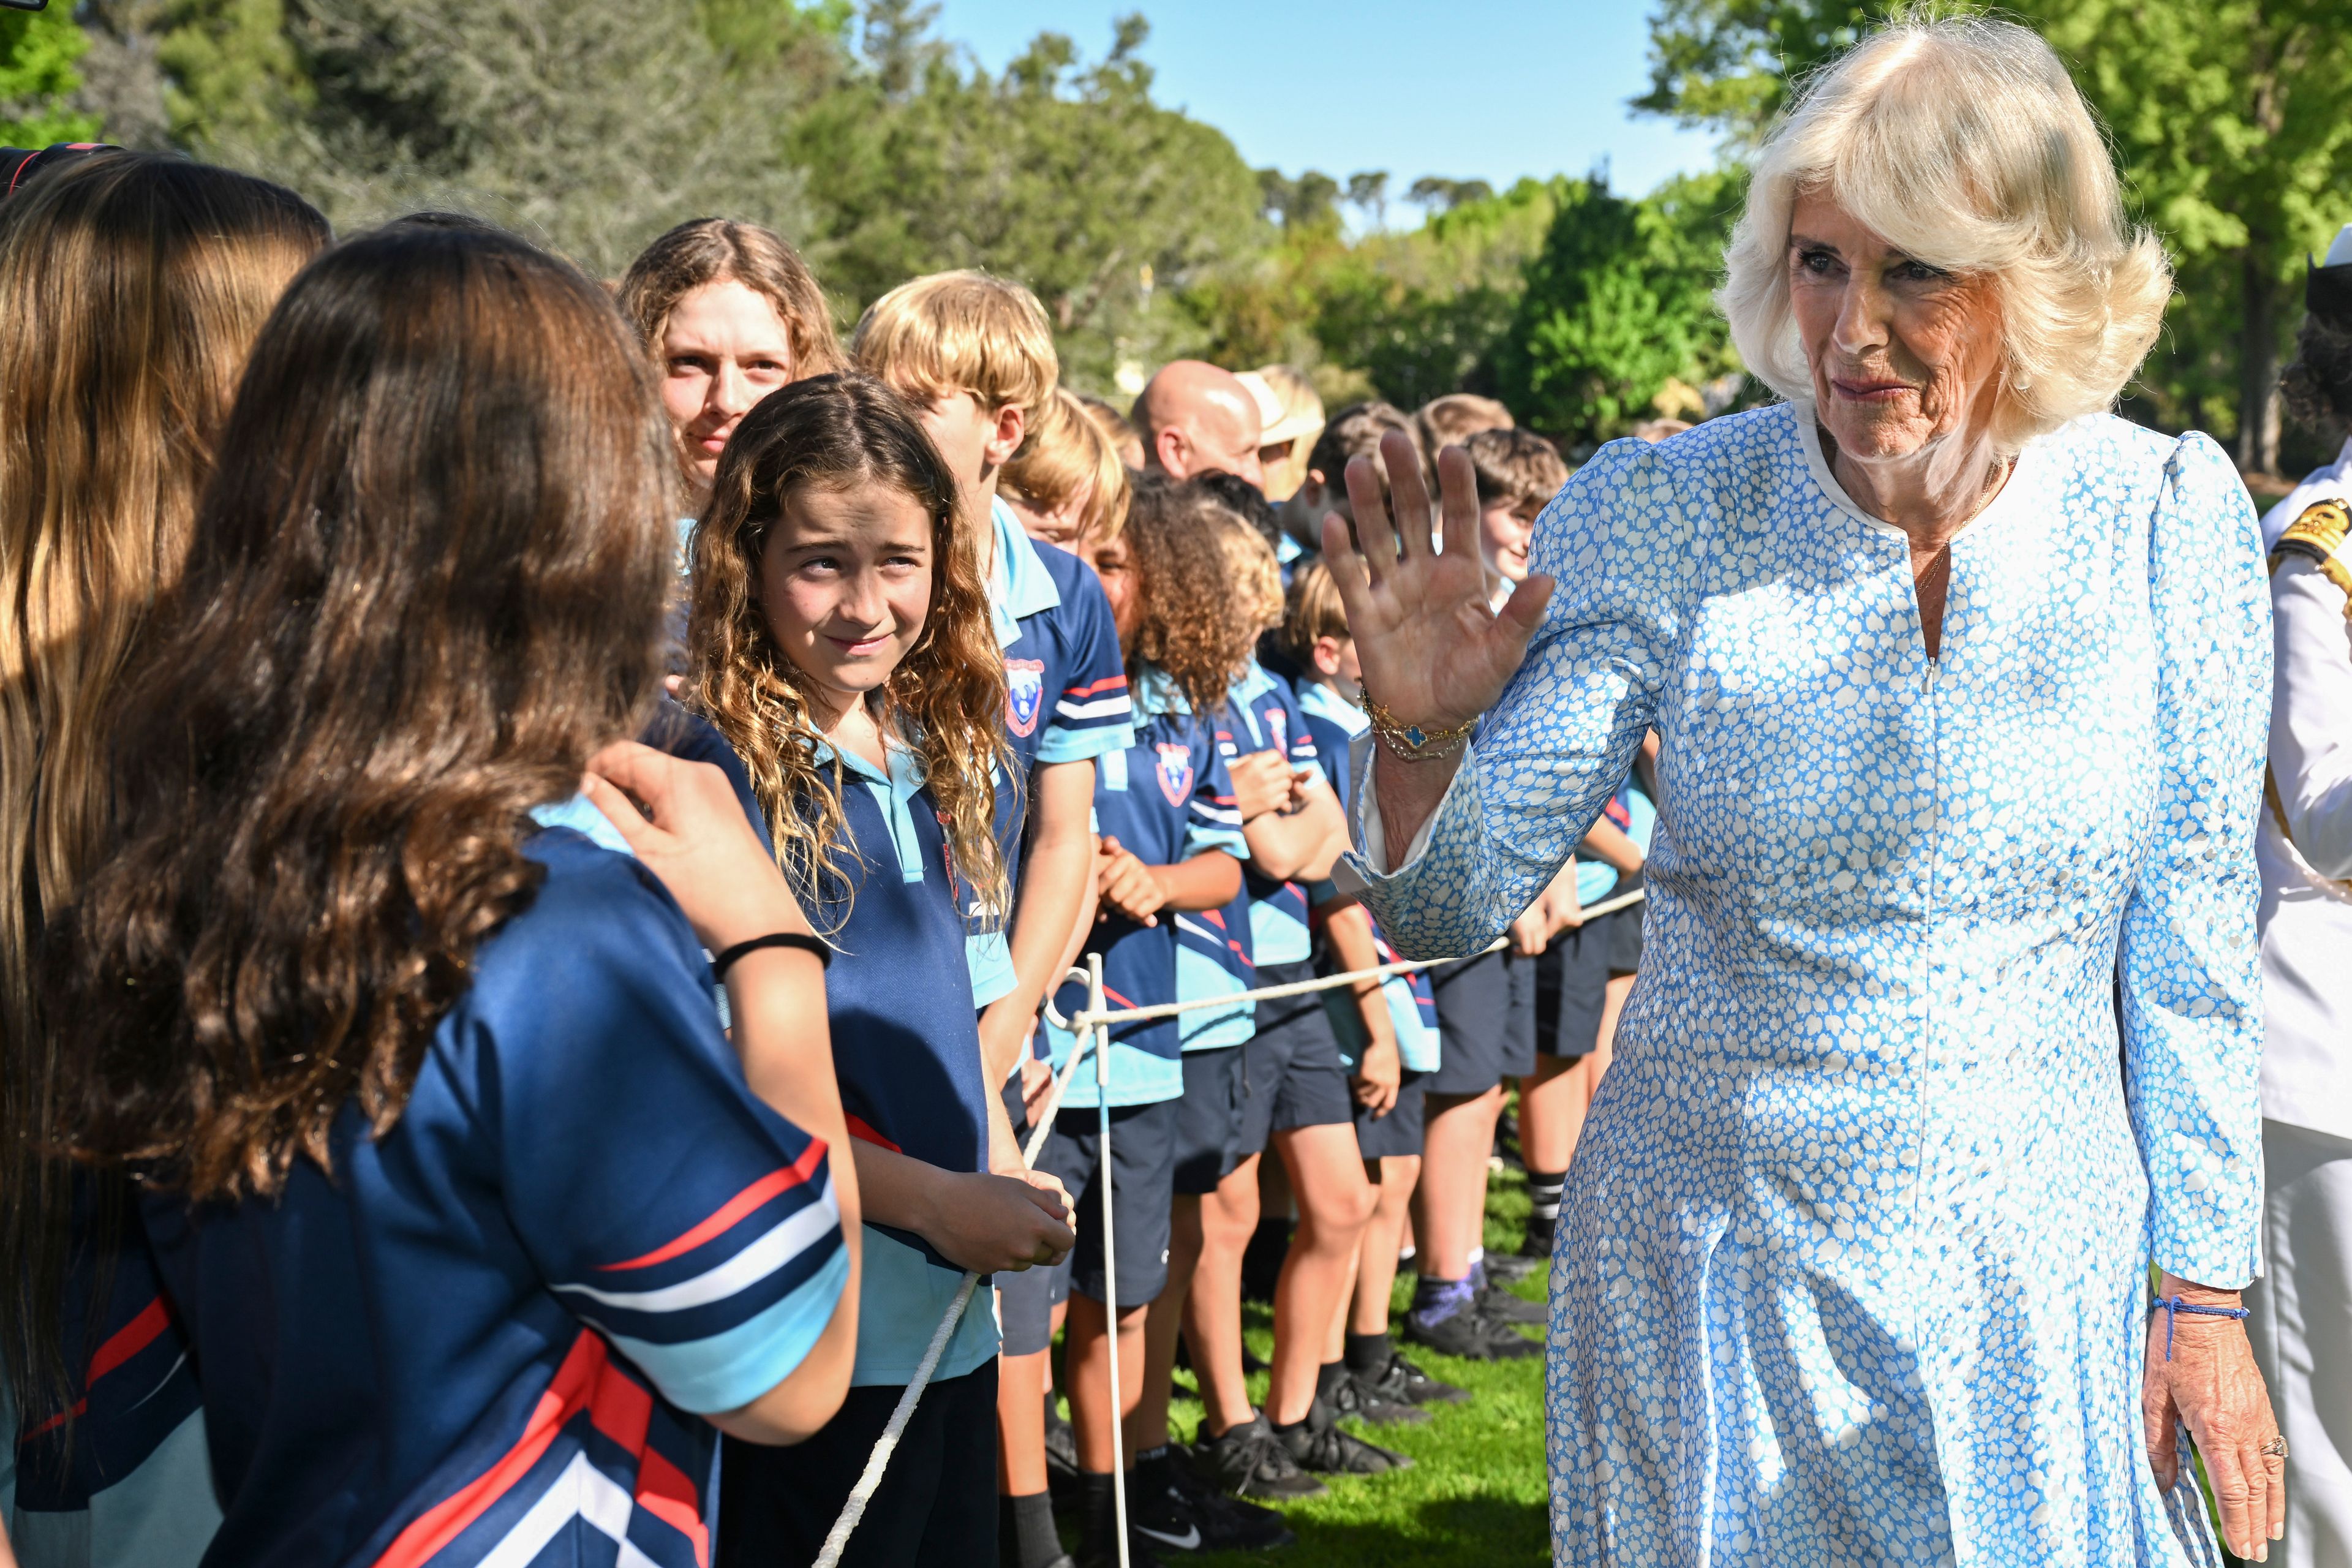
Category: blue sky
<point>1483,89</point>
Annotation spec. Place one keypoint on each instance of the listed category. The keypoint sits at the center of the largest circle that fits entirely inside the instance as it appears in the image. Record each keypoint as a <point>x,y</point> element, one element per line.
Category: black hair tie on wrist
<point>726,961</point>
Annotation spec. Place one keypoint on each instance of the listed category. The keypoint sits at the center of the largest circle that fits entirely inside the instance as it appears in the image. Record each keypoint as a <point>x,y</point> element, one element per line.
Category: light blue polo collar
<point>1319,699</point>
<point>1254,683</point>
<point>892,791</point>
<point>1156,691</point>
<point>1019,586</point>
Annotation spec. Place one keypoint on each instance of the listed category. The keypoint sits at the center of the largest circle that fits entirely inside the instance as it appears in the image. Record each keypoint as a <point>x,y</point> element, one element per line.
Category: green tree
<point>2235,119</point>
<point>1618,307</point>
<point>591,126</point>
<point>1059,171</point>
<point>37,78</point>
<point>2232,118</point>
<point>1406,315</point>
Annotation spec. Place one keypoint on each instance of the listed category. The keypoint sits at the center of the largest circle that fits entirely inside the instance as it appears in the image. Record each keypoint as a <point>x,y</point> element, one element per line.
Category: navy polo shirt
<point>1065,698</point>
<point>1166,799</point>
<point>484,1333</point>
<point>1335,723</point>
<point>906,1047</point>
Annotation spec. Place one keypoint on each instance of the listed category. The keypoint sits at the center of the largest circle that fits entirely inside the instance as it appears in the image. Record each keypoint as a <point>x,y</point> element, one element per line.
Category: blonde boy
<point>974,355</point>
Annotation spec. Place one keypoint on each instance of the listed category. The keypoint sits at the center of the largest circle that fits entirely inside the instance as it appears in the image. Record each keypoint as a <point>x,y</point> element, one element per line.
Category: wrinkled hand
<point>1379,1071</point>
<point>994,1224</point>
<point>1433,654</point>
<point>1127,884</point>
<point>686,826</point>
<point>1262,783</point>
<point>2212,1386</point>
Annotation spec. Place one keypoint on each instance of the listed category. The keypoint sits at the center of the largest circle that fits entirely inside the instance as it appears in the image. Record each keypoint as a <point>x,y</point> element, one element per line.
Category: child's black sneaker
<point>1353,1396</point>
<point>1401,1382</point>
<point>1318,1445</point>
<point>1245,1526</point>
<point>1467,1334</point>
<point>1173,1509</point>
<point>1499,1306</point>
<point>1250,1461</point>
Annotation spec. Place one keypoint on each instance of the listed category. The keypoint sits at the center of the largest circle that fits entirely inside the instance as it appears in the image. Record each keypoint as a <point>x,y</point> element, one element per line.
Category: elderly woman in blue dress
<point>1962,684</point>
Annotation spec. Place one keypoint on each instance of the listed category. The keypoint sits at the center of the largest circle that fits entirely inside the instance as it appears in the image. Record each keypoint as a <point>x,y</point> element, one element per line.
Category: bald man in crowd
<point>1195,419</point>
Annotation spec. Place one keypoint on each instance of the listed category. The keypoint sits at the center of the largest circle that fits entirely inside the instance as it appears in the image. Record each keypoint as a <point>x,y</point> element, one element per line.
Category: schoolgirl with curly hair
<point>839,638</point>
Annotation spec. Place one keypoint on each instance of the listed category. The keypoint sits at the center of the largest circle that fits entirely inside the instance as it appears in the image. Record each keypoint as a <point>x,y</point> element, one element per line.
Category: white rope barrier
<point>1091,1028</point>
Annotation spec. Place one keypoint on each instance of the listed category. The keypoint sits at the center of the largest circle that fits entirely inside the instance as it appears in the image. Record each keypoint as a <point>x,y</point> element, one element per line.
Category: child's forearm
<point>1609,842</point>
<point>1349,932</point>
<point>1056,882</point>
<point>1301,846</point>
<point>1206,881</point>
<point>900,1190</point>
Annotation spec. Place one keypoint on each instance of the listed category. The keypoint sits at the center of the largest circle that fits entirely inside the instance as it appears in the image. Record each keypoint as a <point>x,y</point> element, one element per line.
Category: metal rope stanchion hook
<point>1111,1250</point>
<point>1073,977</point>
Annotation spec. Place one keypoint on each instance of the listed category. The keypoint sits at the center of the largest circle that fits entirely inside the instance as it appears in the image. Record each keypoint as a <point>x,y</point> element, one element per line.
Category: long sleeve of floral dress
<point>2189,966</point>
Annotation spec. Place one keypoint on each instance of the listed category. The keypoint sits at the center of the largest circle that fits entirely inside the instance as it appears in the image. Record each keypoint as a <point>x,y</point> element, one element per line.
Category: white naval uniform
<point>2302,1321</point>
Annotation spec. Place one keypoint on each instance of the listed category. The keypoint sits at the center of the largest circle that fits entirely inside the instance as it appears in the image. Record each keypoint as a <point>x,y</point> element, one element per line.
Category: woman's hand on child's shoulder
<point>685,824</point>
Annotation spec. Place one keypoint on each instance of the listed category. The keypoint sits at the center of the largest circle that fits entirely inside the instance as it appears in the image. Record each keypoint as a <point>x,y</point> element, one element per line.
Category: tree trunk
<point>2258,367</point>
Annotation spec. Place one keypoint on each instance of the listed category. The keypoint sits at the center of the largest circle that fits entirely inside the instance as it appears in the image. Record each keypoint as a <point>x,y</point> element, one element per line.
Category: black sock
<point>1543,1194</point>
<point>1024,1532</point>
<point>1367,1353</point>
<point>1328,1378</point>
<point>1098,1513</point>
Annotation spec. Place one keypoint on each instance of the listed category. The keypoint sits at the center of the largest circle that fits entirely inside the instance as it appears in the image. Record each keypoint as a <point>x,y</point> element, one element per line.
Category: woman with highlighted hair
<point>1960,684</point>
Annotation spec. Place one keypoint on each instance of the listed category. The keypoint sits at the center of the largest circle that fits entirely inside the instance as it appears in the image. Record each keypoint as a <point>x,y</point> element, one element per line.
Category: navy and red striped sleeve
<point>663,1202</point>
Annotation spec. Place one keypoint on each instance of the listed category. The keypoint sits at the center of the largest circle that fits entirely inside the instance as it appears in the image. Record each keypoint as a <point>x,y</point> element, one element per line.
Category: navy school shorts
<point>1208,1118</point>
<point>1485,1022</point>
<point>1025,1299</point>
<point>1400,1131</point>
<point>1142,1184</point>
<point>1292,1076</point>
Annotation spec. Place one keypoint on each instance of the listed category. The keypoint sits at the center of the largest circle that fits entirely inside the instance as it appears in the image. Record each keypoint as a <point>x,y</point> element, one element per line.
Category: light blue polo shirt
<point>1065,698</point>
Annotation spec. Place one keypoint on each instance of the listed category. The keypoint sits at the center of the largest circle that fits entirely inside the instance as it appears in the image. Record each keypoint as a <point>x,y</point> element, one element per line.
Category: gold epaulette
<point>2320,535</point>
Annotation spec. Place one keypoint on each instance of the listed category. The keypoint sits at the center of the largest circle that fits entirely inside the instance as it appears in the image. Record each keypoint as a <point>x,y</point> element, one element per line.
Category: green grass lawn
<point>1476,1493</point>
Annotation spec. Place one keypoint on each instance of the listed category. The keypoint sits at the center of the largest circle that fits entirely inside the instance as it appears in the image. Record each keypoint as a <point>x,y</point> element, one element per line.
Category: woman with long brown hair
<point>130,288</point>
<point>468,1204</point>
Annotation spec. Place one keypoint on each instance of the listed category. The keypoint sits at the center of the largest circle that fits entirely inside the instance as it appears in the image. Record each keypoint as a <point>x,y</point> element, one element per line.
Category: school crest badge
<point>1175,772</point>
<point>1277,724</point>
<point>1024,694</point>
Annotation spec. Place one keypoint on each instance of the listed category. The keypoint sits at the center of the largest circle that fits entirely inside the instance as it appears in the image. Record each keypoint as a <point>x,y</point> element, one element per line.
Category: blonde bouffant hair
<point>1964,143</point>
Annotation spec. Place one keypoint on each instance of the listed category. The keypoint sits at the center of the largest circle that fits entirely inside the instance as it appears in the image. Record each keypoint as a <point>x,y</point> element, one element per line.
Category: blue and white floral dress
<point>1948,1017</point>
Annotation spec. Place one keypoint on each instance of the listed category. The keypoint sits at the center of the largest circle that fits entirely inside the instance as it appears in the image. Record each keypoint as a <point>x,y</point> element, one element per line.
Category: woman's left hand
<point>2209,1385</point>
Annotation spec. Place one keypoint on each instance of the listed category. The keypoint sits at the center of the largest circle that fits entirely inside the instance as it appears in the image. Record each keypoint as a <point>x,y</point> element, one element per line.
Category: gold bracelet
<point>1412,743</point>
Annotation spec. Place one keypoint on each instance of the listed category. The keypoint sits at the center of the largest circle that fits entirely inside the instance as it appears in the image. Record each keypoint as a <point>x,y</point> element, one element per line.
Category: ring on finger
<point>2275,1448</point>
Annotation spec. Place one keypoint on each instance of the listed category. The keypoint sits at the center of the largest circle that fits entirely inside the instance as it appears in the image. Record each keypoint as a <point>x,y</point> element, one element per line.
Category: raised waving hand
<point>1435,655</point>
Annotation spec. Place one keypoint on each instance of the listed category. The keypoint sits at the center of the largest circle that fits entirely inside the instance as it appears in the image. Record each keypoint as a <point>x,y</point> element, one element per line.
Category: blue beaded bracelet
<point>2174,1306</point>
